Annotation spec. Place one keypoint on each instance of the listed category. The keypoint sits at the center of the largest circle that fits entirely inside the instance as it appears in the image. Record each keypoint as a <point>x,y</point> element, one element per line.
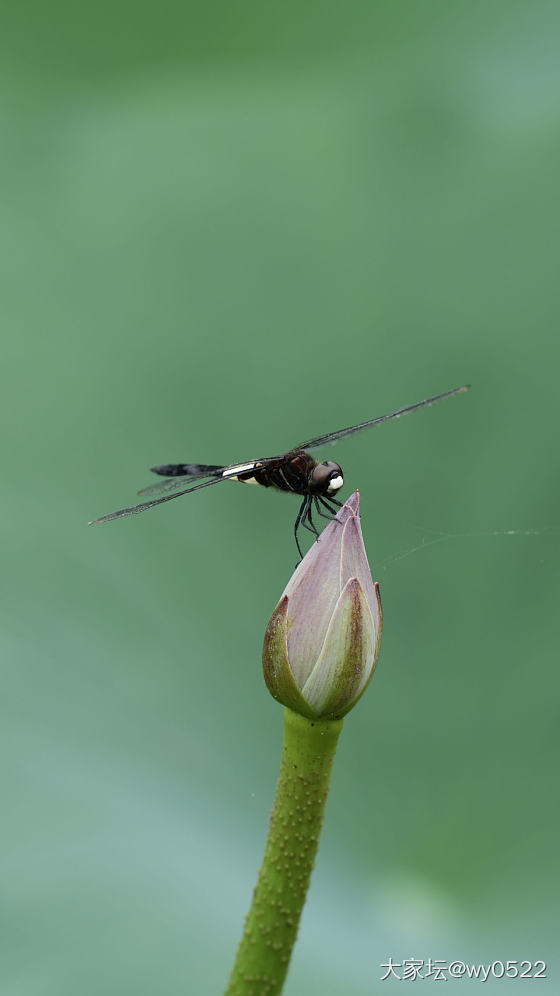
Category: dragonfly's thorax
<point>291,472</point>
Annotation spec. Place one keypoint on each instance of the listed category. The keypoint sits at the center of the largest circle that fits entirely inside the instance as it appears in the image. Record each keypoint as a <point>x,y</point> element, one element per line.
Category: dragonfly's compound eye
<point>336,481</point>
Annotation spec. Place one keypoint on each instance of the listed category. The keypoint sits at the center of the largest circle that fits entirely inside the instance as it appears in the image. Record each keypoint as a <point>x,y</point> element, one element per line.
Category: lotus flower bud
<point>322,642</point>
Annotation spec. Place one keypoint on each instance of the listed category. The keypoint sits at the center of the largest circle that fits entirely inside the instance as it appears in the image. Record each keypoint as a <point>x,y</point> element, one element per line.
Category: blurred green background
<point>225,229</point>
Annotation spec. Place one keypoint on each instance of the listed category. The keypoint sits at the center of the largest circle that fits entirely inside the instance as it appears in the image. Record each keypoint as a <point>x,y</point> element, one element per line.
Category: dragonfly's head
<point>326,479</point>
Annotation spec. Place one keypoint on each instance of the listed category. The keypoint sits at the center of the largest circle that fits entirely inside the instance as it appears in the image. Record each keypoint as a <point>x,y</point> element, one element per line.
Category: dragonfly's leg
<point>326,504</point>
<point>333,501</point>
<point>307,519</point>
<point>304,518</point>
<point>331,517</point>
<point>296,527</point>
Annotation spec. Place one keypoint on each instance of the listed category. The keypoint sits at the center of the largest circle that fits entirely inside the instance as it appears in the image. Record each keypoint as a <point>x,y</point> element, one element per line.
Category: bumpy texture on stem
<point>295,826</point>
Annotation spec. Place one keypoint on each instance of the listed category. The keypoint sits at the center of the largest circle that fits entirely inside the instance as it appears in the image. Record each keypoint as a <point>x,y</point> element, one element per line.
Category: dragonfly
<point>295,471</point>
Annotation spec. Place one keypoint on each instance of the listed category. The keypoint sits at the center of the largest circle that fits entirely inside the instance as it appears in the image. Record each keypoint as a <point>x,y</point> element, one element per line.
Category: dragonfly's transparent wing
<point>333,437</point>
<point>135,509</point>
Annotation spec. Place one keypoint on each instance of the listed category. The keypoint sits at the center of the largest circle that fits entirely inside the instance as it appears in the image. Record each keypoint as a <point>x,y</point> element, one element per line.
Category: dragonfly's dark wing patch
<point>333,437</point>
<point>187,469</point>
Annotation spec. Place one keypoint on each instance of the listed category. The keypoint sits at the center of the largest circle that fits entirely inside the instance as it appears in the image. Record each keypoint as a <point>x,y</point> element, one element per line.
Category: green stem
<point>272,923</point>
